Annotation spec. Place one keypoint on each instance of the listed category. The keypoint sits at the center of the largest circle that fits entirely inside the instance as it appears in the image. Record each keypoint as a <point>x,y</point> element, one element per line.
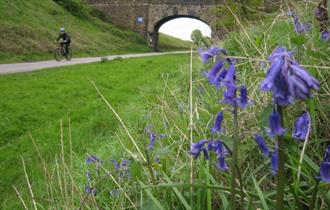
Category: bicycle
<point>60,53</point>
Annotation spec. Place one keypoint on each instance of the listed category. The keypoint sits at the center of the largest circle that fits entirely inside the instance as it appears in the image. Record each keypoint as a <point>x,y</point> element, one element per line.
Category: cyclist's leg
<point>67,47</point>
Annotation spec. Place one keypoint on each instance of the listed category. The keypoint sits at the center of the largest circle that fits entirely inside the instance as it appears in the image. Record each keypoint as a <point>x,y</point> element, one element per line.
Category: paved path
<point>33,66</point>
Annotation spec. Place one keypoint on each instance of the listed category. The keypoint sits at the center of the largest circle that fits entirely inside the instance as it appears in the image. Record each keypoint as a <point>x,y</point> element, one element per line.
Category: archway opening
<point>177,30</point>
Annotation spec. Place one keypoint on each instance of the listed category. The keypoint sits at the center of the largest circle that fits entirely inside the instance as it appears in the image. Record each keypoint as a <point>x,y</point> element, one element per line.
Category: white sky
<point>182,28</point>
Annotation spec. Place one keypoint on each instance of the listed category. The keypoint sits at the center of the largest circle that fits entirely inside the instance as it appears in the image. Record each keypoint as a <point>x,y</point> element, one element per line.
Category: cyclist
<point>66,40</point>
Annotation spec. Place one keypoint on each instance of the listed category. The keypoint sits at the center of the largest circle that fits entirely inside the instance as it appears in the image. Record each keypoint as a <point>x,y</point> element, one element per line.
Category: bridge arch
<point>154,34</point>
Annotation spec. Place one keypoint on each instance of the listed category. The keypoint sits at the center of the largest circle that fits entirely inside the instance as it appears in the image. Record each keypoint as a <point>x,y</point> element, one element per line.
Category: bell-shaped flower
<point>210,53</point>
<point>262,145</point>
<point>221,163</point>
<point>325,166</point>
<point>286,79</point>
<point>274,162</point>
<point>243,101</point>
<point>92,159</point>
<point>301,127</point>
<point>229,96</point>
<point>325,35</point>
<point>196,148</point>
<point>275,127</point>
<point>217,124</point>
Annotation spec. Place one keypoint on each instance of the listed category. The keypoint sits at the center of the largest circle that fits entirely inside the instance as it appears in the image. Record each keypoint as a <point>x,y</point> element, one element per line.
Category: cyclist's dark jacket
<point>65,37</point>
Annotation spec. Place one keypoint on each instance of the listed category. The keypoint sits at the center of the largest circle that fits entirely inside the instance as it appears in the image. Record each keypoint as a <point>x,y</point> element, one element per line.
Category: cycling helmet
<point>62,29</point>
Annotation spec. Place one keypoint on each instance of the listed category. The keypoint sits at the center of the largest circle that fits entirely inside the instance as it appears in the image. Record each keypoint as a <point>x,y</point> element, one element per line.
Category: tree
<point>197,37</point>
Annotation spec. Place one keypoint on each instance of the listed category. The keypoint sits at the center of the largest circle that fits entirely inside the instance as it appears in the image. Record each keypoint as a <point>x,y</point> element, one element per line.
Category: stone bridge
<point>147,16</point>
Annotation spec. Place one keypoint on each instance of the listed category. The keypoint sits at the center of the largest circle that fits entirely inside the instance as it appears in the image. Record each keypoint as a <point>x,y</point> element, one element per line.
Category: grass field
<point>36,102</point>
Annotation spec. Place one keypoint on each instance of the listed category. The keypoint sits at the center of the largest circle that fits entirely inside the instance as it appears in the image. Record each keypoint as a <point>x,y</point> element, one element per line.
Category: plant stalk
<point>235,160</point>
<point>281,166</point>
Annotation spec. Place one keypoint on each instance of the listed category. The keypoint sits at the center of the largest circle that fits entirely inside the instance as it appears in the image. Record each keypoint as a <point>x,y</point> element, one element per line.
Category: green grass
<point>29,28</point>
<point>168,43</point>
<point>36,102</point>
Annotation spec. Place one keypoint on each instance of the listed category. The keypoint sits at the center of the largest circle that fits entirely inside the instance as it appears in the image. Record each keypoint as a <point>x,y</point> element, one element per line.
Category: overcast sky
<point>182,28</point>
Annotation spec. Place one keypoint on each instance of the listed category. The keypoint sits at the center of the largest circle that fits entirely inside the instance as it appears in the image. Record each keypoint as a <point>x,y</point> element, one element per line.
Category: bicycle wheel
<point>58,54</point>
<point>68,56</point>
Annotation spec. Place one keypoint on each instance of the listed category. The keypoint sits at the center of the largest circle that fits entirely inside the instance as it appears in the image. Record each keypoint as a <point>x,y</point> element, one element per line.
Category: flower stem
<point>281,168</point>
<point>235,160</point>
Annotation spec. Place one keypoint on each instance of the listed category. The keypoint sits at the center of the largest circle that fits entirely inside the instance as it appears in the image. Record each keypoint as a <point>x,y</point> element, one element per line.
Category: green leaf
<point>151,196</point>
<point>260,194</point>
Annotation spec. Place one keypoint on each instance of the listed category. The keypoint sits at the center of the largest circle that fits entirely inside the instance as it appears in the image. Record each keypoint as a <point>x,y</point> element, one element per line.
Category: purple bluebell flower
<point>262,145</point>
<point>298,26</point>
<point>274,162</point>
<point>243,100</point>
<point>301,127</point>
<point>218,147</point>
<point>210,53</point>
<point>222,165</point>
<point>275,127</point>
<point>90,190</point>
<point>156,159</point>
<point>229,96</point>
<point>196,148</point>
<point>88,175</point>
<point>116,165</point>
<point>92,159</point>
<point>325,35</point>
<point>317,13</point>
<point>217,124</point>
<point>286,79</point>
<point>206,153</point>
<point>325,167</point>
<point>229,80</point>
<point>152,137</point>
<point>212,74</point>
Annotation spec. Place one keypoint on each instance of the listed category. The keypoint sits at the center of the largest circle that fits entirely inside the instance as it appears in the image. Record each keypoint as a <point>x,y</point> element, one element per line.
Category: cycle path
<point>34,66</point>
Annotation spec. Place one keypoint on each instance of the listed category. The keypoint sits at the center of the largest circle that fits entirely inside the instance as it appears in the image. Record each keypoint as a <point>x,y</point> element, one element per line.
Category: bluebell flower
<point>229,96</point>
<point>210,53</point>
<point>212,74</point>
<point>206,153</point>
<point>274,162</point>
<point>243,100</point>
<point>229,80</point>
<point>116,165</point>
<point>217,123</point>
<point>262,144</point>
<point>325,166</point>
<point>218,147</point>
<point>325,35</point>
<point>301,127</point>
<point>317,13</point>
<point>275,127</point>
<point>286,79</point>
<point>298,26</point>
<point>88,175</point>
<point>196,148</point>
<point>92,159</point>
<point>90,190</point>
<point>152,138</point>
<point>222,165</point>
